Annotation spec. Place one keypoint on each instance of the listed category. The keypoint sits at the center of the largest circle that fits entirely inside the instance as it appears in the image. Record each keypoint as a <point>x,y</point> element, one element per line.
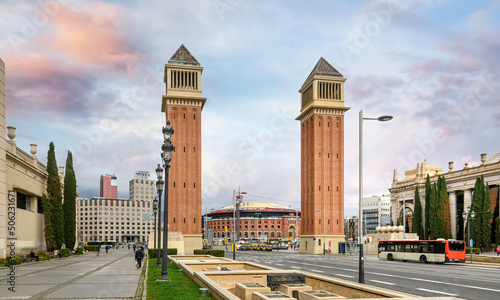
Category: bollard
<point>203,291</point>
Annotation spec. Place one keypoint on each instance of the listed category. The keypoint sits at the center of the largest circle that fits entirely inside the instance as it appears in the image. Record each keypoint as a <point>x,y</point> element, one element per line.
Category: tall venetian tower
<point>183,104</point>
<point>322,159</point>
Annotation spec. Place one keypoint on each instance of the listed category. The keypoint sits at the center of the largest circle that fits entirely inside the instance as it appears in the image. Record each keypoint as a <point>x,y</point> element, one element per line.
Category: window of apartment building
<point>23,201</point>
<point>39,205</point>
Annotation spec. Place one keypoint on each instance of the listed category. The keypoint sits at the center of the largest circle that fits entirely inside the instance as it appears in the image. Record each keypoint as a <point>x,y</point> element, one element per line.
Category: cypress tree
<point>476,206</point>
<point>69,205</point>
<point>427,227</point>
<point>54,195</point>
<point>433,213</point>
<point>417,216</point>
<point>49,229</point>
<point>486,211</point>
<point>445,202</point>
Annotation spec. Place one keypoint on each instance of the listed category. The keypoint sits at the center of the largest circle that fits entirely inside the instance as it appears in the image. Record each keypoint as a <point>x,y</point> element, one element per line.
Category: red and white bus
<point>436,251</point>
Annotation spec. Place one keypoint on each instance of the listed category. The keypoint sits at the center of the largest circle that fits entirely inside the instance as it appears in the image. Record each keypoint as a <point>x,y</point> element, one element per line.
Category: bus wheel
<point>389,257</point>
<point>423,259</point>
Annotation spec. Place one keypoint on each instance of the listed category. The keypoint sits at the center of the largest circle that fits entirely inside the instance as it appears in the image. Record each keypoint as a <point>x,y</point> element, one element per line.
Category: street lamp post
<point>155,211</point>
<point>469,216</point>
<point>167,152</point>
<point>360,233</point>
<point>159,188</point>
<point>236,234</point>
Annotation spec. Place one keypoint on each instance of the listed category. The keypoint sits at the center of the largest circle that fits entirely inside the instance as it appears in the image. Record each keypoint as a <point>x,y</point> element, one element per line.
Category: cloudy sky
<point>88,75</point>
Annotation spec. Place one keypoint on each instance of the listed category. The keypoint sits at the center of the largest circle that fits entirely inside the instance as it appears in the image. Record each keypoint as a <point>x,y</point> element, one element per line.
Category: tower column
<point>182,104</point>
<point>322,160</point>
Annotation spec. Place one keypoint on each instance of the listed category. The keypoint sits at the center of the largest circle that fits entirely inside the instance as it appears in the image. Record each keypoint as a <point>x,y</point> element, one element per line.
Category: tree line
<point>437,223</point>
<point>60,216</point>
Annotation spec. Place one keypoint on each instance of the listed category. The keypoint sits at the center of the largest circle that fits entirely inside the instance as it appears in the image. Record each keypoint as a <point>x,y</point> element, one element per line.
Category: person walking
<point>498,250</point>
<point>98,248</point>
<point>139,255</point>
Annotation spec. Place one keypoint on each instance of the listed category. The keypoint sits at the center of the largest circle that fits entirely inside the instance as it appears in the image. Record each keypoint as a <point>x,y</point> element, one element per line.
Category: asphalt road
<point>439,280</point>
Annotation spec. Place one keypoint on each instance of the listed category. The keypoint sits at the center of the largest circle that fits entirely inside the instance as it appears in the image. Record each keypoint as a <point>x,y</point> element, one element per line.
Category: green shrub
<point>152,252</point>
<point>65,252</point>
<point>79,251</point>
<point>90,248</point>
<point>44,256</point>
<point>213,252</point>
<point>475,250</point>
<point>11,261</point>
<point>216,252</point>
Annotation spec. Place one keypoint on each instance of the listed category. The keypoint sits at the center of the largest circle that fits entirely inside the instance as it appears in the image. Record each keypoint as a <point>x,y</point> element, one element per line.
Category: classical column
<point>467,202</point>
<point>453,214</point>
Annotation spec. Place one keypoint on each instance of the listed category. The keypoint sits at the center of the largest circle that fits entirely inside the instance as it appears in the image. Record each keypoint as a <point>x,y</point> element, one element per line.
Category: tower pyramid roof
<point>323,68</point>
<point>183,57</point>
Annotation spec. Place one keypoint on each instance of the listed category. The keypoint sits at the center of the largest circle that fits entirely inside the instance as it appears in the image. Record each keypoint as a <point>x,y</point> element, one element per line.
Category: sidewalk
<point>87,276</point>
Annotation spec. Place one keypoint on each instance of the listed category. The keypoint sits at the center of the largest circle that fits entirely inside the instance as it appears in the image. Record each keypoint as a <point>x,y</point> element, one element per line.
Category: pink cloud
<point>45,86</point>
<point>96,35</point>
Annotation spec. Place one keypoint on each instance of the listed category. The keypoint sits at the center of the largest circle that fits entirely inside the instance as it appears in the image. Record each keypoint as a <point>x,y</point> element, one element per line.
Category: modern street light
<point>159,188</point>
<point>469,216</point>
<point>167,152</point>
<point>360,233</point>
<point>155,211</point>
<point>237,200</point>
<point>323,221</point>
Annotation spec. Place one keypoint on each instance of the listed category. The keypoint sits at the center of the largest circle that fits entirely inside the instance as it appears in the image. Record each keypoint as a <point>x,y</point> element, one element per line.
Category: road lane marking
<point>295,267</point>
<point>437,292</point>
<point>279,264</point>
<point>317,271</point>
<point>435,281</point>
<point>383,282</point>
<point>348,276</point>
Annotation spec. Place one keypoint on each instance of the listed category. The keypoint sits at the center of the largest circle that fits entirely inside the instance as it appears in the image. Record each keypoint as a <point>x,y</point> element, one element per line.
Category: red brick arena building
<point>257,220</point>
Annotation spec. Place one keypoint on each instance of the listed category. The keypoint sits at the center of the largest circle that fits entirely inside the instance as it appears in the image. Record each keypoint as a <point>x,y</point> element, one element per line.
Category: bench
<point>26,257</point>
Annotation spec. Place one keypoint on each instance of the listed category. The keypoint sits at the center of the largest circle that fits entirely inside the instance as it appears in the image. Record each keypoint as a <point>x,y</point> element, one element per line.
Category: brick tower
<point>183,104</point>
<point>322,159</point>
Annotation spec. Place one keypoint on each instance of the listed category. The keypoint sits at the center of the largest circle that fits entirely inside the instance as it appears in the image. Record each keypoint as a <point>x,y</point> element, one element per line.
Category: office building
<point>376,212</point>
<point>117,220</point>
<point>109,186</point>
<point>141,187</point>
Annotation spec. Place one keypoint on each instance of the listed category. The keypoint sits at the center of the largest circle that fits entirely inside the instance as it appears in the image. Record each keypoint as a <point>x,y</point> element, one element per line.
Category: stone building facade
<point>23,181</point>
<point>118,220</point>
<point>460,185</point>
<point>257,219</point>
<point>322,158</point>
<point>182,105</point>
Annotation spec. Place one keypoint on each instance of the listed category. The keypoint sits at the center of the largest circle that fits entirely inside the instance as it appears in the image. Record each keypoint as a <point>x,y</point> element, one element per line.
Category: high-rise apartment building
<point>109,186</point>
<point>141,187</point>
<point>121,220</point>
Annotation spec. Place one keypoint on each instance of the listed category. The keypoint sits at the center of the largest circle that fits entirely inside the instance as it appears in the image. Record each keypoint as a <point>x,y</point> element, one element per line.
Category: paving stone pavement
<point>110,275</point>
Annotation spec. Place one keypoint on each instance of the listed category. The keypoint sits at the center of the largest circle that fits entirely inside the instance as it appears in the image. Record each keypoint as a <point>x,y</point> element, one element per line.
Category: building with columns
<point>322,159</point>
<point>182,105</point>
<point>460,185</point>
